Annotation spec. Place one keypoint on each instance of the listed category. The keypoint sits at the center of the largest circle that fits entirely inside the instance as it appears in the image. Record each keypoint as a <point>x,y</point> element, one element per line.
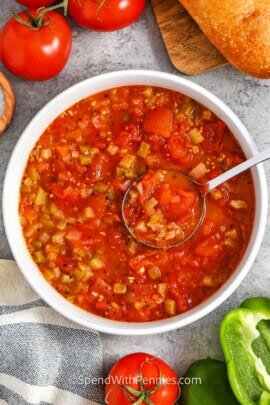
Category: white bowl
<point>18,162</point>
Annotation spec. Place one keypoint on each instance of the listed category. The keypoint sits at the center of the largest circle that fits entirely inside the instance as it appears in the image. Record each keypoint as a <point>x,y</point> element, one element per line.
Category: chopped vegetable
<point>245,340</point>
<point>41,197</point>
<point>154,272</point>
<point>198,171</point>
<point>113,149</point>
<point>216,194</point>
<point>128,161</point>
<point>170,307</point>
<point>196,136</point>
<point>85,160</point>
<point>210,384</point>
<point>238,204</point>
<point>144,149</point>
<point>119,288</point>
<point>96,263</point>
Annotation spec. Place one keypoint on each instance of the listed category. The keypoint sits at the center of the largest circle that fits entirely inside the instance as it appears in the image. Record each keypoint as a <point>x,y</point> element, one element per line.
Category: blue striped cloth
<point>44,358</point>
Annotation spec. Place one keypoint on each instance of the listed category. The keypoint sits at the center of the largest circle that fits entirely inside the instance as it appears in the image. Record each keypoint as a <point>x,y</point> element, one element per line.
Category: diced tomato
<point>98,203</point>
<point>99,169</point>
<point>159,121</point>
<point>210,247</point>
<point>65,263</point>
<point>164,195</point>
<point>68,193</point>
<point>213,134</point>
<point>177,148</point>
<point>231,159</point>
<point>177,211</point>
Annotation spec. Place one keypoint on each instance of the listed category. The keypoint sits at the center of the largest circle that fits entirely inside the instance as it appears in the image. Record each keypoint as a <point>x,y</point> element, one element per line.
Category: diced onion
<point>238,204</point>
<point>112,149</point>
<point>216,194</point>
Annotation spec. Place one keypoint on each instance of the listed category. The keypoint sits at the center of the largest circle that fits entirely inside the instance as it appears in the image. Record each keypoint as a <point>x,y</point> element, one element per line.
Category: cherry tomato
<point>36,3</point>
<point>36,54</point>
<point>142,372</point>
<point>105,15</point>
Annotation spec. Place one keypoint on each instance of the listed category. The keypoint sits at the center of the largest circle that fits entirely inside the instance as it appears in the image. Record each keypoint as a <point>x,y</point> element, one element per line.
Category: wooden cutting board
<point>189,49</point>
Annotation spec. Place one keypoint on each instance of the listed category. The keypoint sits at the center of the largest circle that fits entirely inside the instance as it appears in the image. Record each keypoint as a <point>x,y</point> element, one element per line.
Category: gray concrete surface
<point>141,46</point>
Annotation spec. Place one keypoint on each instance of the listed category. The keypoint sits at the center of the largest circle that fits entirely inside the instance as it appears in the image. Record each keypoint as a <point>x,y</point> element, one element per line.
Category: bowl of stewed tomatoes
<point>63,203</point>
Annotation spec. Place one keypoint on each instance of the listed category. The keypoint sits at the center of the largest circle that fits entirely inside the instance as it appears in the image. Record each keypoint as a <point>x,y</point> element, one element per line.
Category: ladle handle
<point>247,164</point>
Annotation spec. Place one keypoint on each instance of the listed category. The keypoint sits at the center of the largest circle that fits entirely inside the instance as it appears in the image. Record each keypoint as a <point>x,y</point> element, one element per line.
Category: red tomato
<point>159,121</point>
<point>36,54</point>
<point>36,3</point>
<point>127,371</point>
<point>213,133</point>
<point>108,15</point>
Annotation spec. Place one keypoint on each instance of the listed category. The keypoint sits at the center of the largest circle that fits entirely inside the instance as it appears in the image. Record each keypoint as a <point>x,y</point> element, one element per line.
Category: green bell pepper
<point>209,384</point>
<point>245,340</point>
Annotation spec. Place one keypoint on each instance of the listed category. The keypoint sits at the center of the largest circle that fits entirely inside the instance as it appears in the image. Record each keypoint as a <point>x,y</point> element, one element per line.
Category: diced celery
<point>196,136</point>
<point>139,305</point>
<point>41,197</point>
<point>85,160</point>
<point>101,187</point>
<point>121,172</point>
<point>128,161</point>
<point>85,149</point>
<point>67,279</point>
<point>84,267</point>
<point>148,92</point>
<point>48,274</point>
<point>58,238</point>
<point>28,182</point>
<point>56,212</point>
<point>151,204</point>
<point>143,150</point>
<point>154,273</point>
<point>39,257</point>
<point>231,234</point>
<point>96,263</point>
<point>33,173</point>
<point>162,287</point>
<point>198,171</point>
<point>119,288</point>
<point>207,115</point>
<point>170,307</point>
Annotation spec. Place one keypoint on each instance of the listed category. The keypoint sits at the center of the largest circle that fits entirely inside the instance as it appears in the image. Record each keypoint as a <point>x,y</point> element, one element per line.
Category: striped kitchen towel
<point>44,358</point>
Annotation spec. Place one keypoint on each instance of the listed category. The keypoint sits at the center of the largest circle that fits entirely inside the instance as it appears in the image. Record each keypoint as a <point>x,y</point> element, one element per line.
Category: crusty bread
<point>240,29</point>
<point>9,103</point>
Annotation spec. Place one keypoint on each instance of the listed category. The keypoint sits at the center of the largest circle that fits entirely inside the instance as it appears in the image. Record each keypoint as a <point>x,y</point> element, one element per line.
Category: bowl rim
<point>14,232</point>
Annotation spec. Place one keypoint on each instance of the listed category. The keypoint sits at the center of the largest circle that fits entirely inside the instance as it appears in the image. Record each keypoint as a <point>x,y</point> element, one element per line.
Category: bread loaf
<point>240,29</point>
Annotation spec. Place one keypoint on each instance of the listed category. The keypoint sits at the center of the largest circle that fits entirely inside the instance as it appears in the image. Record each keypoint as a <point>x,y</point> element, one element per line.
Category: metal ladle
<point>202,190</point>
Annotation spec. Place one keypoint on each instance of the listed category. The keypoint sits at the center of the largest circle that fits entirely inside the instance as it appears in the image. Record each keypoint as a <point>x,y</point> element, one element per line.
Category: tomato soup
<point>72,191</point>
